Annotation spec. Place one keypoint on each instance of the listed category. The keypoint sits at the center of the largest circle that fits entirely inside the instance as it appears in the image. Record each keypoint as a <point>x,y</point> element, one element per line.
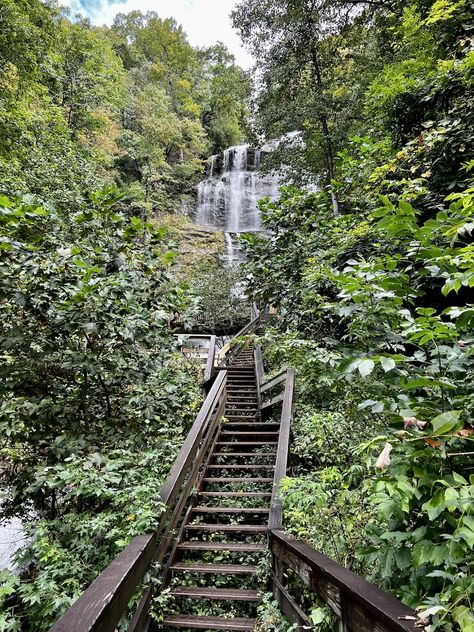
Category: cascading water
<point>227,199</point>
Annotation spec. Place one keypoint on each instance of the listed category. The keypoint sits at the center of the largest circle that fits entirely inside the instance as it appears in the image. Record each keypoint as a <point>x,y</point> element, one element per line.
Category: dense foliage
<point>94,393</point>
<point>95,396</point>
<point>374,294</point>
<point>370,269</point>
<point>135,104</point>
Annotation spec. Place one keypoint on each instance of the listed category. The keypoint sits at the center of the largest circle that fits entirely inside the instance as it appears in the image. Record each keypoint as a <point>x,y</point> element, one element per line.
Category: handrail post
<point>275,520</point>
<point>260,371</point>
<point>209,371</point>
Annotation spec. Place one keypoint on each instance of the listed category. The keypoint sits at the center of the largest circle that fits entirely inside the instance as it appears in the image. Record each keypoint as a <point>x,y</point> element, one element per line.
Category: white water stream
<point>12,538</point>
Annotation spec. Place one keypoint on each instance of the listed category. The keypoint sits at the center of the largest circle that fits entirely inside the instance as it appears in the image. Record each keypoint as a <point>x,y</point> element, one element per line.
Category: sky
<point>205,21</point>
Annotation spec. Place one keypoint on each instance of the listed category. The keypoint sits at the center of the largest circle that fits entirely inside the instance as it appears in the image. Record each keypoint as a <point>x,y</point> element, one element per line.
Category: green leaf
<point>464,617</point>
<point>366,367</point>
<point>317,616</point>
<point>451,497</point>
<point>387,363</point>
<point>436,505</point>
<point>446,422</point>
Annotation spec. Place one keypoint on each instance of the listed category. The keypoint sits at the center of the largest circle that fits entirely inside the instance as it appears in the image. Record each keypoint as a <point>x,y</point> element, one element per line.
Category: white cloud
<point>205,21</point>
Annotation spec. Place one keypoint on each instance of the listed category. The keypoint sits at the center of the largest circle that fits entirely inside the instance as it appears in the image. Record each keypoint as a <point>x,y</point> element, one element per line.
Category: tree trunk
<point>328,146</point>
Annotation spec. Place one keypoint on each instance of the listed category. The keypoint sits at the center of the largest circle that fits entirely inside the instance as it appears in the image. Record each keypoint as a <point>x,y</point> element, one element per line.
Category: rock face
<point>227,198</point>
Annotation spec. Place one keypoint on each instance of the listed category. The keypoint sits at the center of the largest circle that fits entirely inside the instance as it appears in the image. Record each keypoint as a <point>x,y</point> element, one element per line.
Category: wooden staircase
<point>224,535</point>
<point>222,516</point>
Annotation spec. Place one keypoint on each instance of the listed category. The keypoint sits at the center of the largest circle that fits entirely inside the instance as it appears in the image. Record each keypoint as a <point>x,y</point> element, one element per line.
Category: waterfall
<point>228,197</point>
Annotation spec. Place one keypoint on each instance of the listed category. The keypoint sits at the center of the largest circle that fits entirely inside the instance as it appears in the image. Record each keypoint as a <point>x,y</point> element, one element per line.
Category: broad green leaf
<point>436,505</point>
<point>446,422</point>
<point>387,363</point>
<point>366,367</point>
<point>451,497</point>
<point>464,617</point>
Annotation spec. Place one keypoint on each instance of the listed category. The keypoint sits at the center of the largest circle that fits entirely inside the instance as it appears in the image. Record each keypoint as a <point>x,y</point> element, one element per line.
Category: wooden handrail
<point>254,312</point>
<point>276,510</point>
<point>281,377</point>
<point>103,604</point>
<point>359,605</point>
<point>259,371</point>
<point>192,440</point>
<point>248,329</point>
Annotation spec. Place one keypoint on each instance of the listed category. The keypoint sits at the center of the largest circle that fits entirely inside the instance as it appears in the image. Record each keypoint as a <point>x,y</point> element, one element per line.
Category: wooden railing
<point>232,348</point>
<point>209,355</point>
<point>106,601</point>
<point>276,509</point>
<point>358,605</point>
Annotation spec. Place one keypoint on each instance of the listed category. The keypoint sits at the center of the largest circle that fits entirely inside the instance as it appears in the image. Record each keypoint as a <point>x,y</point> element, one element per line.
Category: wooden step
<point>247,466</point>
<point>251,424</point>
<point>232,594</point>
<point>236,444</point>
<point>215,569</point>
<point>228,528</point>
<point>250,435</point>
<point>230,510</point>
<point>209,623</point>
<point>242,417</point>
<point>238,547</point>
<point>244,454</point>
<point>235,494</point>
<point>237,480</point>
<point>241,403</point>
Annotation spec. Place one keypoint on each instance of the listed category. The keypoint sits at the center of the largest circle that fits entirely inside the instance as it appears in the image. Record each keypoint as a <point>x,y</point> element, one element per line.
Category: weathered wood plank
<point>288,606</point>
<point>276,511</point>
<point>140,621</point>
<point>192,441</point>
<point>271,402</point>
<point>102,605</point>
<point>259,370</point>
<point>281,377</point>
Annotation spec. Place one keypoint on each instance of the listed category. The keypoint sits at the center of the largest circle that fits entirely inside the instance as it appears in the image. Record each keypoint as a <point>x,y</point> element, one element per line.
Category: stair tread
<point>247,433</point>
<point>219,454</point>
<point>235,494</point>
<point>209,623</point>
<point>234,569</point>
<point>230,510</point>
<point>221,546</point>
<point>232,466</point>
<point>242,416</point>
<point>236,443</point>
<point>241,528</point>
<point>249,424</point>
<point>230,479</point>
<point>234,594</point>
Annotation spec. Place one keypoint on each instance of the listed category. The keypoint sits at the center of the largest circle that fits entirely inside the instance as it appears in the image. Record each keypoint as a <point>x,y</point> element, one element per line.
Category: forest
<point>366,256</point>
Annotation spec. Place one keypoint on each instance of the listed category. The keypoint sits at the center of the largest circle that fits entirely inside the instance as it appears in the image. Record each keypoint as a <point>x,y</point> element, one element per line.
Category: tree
<point>227,88</point>
<point>91,79</point>
<point>292,37</point>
